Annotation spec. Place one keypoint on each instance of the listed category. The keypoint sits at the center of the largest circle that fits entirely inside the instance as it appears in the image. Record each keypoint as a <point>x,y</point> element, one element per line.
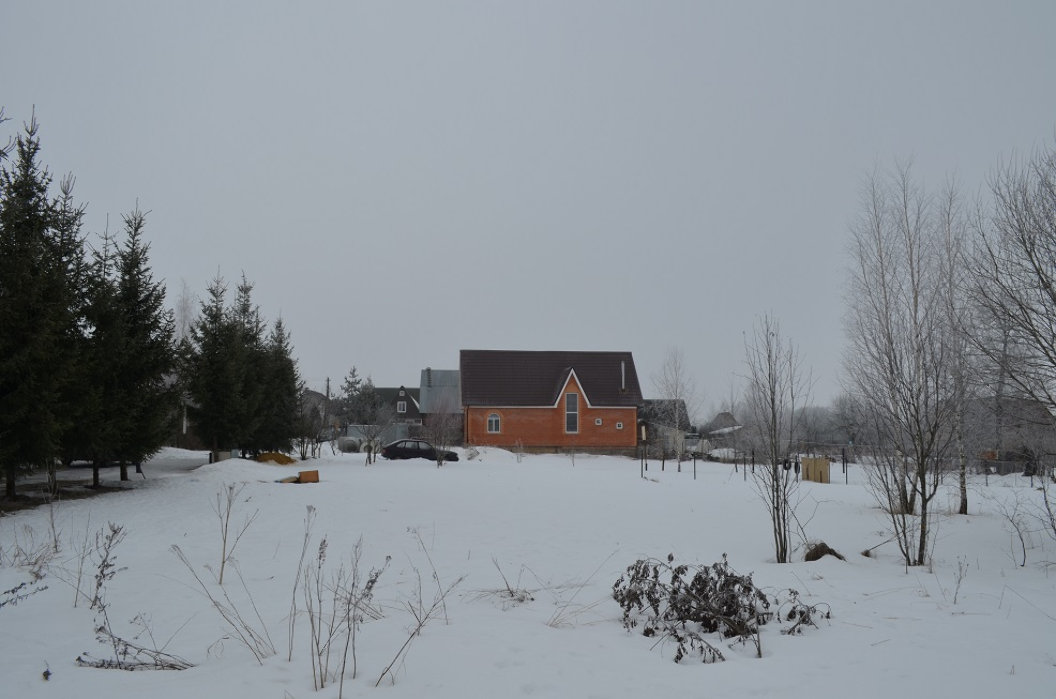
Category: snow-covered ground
<point>975,624</point>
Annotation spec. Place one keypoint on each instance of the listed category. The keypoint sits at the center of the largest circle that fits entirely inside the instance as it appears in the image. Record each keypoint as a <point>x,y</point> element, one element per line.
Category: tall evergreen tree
<point>350,389</point>
<point>68,243</point>
<point>279,413</point>
<point>38,249</point>
<point>243,388</point>
<point>250,328</point>
<point>148,355</point>
<point>99,409</point>
<point>366,404</point>
<point>215,372</point>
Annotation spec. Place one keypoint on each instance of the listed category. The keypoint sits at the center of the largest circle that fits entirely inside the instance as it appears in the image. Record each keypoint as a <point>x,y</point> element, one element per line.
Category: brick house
<point>544,401</point>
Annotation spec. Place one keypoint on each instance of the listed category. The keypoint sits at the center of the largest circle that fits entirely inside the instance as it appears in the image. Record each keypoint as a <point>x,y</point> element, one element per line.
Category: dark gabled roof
<point>519,378</point>
<point>1014,410</point>
<point>722,421</point>
<point>389,395</point>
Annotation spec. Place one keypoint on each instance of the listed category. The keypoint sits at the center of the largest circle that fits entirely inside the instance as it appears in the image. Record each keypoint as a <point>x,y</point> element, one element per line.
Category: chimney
<point>429,376</point>
<point>623,376</point>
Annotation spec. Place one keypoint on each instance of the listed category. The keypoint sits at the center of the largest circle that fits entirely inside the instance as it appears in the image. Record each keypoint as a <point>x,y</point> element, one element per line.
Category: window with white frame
<point>401,406</point>
<point>571,412</point>
<point>494,424</point>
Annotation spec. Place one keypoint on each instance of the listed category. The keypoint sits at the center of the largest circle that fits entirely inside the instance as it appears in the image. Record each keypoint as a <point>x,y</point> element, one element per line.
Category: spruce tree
<point>281,380</point>
<point>99,410</point>
<point>350,389</point>
<point>214,372</point>
<point>243,388</point>
<point>68,246</point>
<point>38,249</point>
<point>250,345</point>
<point>149,397</point>
<point>367,405</point>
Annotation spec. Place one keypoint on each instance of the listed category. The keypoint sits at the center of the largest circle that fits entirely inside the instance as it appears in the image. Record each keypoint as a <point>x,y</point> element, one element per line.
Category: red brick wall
<point>545,427</point>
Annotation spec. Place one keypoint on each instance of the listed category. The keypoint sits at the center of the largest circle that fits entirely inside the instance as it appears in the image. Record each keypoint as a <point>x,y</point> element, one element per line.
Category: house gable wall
<point>544,426</point>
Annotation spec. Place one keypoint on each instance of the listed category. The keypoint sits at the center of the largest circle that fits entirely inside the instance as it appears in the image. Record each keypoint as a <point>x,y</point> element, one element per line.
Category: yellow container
<point>816,469</point>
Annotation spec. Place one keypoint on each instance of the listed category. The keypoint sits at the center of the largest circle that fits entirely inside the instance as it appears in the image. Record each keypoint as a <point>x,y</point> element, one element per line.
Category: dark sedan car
<point>415,449</point>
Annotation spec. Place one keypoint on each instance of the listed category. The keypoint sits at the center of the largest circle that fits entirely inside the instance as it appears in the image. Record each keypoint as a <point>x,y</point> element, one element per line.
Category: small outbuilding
<point>816,469</point>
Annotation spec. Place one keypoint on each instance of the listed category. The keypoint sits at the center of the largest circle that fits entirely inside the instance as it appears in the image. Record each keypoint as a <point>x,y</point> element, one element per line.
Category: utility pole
<point>326,410</point>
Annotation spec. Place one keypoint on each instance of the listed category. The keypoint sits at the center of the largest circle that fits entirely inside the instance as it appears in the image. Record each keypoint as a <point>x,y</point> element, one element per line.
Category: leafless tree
<point>371,415</point>
<point>848,422</point>
<point>904,351</point>
<point>1015,277</point>
<point>1015,290</point>
<point>441,426</point>
<point>953,267</point>
<point>678,393</point>
<point>776,386</point>
<point>185,312</point>
<point>309,424</point>
<point>814,429</point>
<point>380,417</point>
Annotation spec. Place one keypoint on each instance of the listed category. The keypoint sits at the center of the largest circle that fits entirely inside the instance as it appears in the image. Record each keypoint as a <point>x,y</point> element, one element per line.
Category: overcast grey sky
<point>404,179</point>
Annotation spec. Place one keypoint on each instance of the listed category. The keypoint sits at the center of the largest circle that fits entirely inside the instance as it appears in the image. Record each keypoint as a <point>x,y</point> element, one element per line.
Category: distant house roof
<point>1010,423</point>
<point>313,402</point>
<point>1015,411</point>
<point>723,423</point>
<point>524,378</point>
<point>391,396</point>
<point>441,391</point>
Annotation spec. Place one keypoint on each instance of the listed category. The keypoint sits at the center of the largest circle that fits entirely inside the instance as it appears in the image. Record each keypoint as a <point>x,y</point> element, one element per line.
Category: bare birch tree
<point>1015,290</point>
<point>678,393</point>
<point>376,424</point>
<point>903,352</point>
<point>953,267</point>
<point>777,387</point>
<point>441,426</point>
<point>1015,277</point>
<point>184,312</point>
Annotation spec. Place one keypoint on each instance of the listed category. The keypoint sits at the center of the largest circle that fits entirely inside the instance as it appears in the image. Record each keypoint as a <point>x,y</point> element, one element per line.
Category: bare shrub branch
<point>223,508</point>
<point>309,522</point>
<point>257,641</point>
<point>422,617</point>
